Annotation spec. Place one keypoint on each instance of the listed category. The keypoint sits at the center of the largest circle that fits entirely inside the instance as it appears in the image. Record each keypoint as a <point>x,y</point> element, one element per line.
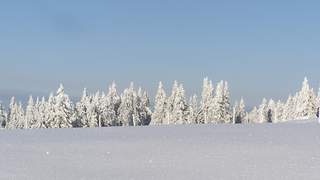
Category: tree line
<point>132,108</point>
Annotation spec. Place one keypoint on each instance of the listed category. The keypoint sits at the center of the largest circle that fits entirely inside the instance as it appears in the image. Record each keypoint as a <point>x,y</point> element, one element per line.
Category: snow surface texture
<point>245,151</point>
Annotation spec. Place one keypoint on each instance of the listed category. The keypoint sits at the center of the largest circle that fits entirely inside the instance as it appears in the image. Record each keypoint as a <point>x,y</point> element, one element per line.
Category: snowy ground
<point>249,152</point>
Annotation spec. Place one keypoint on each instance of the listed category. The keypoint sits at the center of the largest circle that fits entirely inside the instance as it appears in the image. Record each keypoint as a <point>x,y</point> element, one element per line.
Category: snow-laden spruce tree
<point>142,109</point>
<point>180,107</point>
<point>263,112</point>
<point>278,112</point>
<point>3,116</point>
<point>254,115</point>
<point>109,107</point>
<point>271,110</point>
<point>226,103</point>
<point>318,98</point>
<point>177,106</point>
<point>193,110</point>
<point>306,102</point>
<point>41,112</point>
<point>289,109</point>
<point>60,110</point>
<point>127,107</point>
<point>159,114</point>
<point>216,112</point>
<point>31,120</point>
<point>15,116</point>
<point>94,112</point>
<point>81,110</point>
<point>171,103</point>
<point>234,113</point>
<point>239,112</point>
<point>220,111</point>
<point>206,102</point>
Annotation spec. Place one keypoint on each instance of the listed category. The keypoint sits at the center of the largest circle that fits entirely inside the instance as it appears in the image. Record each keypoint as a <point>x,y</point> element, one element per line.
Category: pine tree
<point>110,106</point>
<point>226,103</point>
<point>263,112</point>
<point>242,111</point>
<point>81,110</point>
<point>15,117</point>
<point>254,115</point>
<point>278,113</point>
<point>239,112</point>
<point>306,102</point>
<point>177,106</point>
<point>3,116</point>
<point>41,115</point>
<point>143,108</point>
<point>30,118</point>
<point>206,102</point>
<point>193,110</point>
<point>60,110</point>
<point>271,111</point>
<point>159,114</point>
<point>126,109</point>
<point>221,112</point>
<point>180,107</point>
<point>171,104</point>
<point>94,113</point>
<point>12,120</point>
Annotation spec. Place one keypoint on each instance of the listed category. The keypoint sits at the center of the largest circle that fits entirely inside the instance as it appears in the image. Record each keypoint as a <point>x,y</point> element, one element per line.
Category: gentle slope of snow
<point>263,151</point>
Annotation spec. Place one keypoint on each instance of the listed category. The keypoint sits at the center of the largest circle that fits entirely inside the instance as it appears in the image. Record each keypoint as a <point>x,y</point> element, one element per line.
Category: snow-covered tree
<point>177,106</point>
<point>94,113</point>
<point>239,112</point>
<point>109,107</point>
<point>143,108</point>
<point>226,103</point>
<point>278,112</point>
<point>271,110</point>
<point>318,98</point>
<point>41,108</point>
<point>16,115</point>
<point>127,107</point>
<point>289,109</point>
<point>254,116</point>
<point>81,110</point>
<point>206,102</point>
<point>87,111</point>
<point>171,103</point>
<point>60,110</point>
<point>263,112</point>
<point>159,114</point>
<point>306,102</point>
<point>193,110</point>
<point>30,118</point>
<point>3,116</point>
<point>180,107</point>
<point>220,111</point>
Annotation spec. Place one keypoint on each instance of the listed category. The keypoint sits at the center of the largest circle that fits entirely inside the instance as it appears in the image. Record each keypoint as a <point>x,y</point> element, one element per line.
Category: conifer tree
<point>159,114</point>
<point>3,116</point>
<point>30,118</point>
<point>126,109</point>
<point>206,102</point>
<point>263,112</point>
<point>193,110</point>
<point>306,102</point>
<point>60,110</point>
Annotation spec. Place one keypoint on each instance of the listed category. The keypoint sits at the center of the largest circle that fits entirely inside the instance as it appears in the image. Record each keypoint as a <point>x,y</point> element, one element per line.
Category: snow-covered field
<point>249,152</point>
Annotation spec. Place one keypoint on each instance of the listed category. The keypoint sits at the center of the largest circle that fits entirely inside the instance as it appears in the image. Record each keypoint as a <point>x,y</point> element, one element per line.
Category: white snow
<point>288,151</point>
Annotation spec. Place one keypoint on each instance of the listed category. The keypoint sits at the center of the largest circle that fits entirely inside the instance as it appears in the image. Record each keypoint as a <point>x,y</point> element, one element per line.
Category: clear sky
<point>263,48</point>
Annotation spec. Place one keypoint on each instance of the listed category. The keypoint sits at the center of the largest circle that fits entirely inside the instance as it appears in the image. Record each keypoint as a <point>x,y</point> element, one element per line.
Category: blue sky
<point>263,48</point>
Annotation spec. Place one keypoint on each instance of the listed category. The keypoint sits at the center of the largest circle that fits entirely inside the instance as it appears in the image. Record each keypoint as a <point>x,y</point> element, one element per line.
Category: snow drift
<point>245,151</point>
